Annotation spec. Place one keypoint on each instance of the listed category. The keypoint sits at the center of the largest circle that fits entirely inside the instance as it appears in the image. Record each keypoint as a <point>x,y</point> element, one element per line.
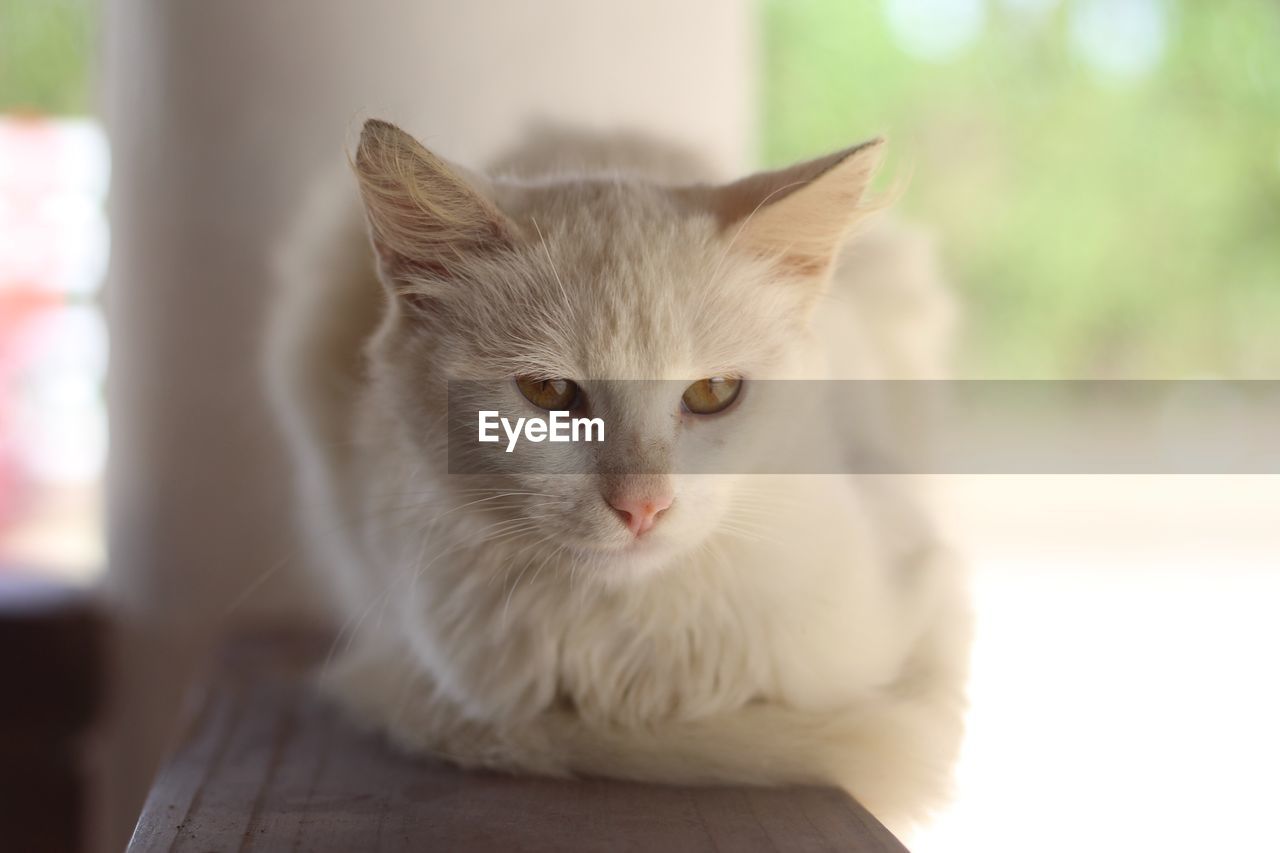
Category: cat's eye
<point>708,396</point>
<point>554,395</point>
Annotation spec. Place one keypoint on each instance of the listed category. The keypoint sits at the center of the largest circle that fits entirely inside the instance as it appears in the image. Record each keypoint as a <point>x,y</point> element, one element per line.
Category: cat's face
<point>577,296</point>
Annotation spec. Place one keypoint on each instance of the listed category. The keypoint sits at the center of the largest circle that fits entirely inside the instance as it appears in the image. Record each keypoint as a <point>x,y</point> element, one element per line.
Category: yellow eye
<point>708,396</point>
<point>557,395</point>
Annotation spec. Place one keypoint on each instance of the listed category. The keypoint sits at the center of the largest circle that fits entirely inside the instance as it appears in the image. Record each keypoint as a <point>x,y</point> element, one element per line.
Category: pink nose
<point>640,512</point>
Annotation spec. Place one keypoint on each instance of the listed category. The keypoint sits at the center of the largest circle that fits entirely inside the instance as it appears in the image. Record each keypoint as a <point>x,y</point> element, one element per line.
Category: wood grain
<point>264,765</point>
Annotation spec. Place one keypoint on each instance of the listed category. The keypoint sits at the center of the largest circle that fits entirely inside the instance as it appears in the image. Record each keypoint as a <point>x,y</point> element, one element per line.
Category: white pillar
<point>218,114</point>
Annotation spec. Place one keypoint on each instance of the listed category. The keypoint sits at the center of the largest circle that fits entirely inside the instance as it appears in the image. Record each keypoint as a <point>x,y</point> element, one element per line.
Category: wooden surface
<point>264,765</point>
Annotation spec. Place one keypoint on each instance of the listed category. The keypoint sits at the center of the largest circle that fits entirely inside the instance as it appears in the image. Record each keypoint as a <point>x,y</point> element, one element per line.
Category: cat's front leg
<point>892,752</point>
<point>392,694</point>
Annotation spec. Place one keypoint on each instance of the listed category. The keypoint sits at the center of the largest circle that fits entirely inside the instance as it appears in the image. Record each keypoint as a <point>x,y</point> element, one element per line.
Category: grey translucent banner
<point>877,427</point>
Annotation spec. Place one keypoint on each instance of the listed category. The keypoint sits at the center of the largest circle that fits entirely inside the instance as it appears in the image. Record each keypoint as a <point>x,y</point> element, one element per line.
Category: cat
<point>659,626</point>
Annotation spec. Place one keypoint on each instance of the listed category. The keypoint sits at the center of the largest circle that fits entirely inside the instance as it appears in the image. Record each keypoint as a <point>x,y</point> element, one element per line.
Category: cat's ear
<point>425,218</point>
<point>800,216</point>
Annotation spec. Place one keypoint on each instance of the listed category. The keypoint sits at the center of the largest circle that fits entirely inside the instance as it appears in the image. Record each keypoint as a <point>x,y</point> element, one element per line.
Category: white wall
<point>218,114</point>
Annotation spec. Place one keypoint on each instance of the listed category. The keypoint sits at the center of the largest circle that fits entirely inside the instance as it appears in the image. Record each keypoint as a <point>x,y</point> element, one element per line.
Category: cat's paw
<point>402,703</point>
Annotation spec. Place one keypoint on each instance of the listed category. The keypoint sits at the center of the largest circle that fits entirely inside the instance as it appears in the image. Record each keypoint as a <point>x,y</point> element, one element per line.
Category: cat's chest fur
<point>731,623</point>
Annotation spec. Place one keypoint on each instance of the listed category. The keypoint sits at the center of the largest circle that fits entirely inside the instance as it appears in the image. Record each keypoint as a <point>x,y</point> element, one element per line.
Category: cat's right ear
<point>425,219</point>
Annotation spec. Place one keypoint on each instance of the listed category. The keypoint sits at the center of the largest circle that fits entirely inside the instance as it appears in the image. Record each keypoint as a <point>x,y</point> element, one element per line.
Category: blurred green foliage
<point>1094,227</point>
<point>45,50</point>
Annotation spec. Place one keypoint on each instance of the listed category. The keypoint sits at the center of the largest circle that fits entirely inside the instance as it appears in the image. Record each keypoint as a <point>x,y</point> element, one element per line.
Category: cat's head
<point>548,292</point>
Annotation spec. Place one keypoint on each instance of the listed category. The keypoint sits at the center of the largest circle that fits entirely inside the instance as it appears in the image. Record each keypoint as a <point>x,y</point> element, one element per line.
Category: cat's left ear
<point>800,216</point>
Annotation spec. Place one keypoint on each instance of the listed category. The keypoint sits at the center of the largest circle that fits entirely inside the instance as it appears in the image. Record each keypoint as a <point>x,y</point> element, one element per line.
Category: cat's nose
<point>639,512</point>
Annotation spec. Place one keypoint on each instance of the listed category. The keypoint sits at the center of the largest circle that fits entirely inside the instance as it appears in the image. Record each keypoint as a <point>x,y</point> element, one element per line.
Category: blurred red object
<point>53,176</point>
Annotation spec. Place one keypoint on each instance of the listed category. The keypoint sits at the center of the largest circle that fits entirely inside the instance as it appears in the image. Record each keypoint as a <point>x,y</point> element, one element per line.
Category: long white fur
<point>780,630</point>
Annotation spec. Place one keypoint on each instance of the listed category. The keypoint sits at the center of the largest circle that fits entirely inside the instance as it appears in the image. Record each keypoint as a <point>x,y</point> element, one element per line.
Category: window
<point>54,168</point>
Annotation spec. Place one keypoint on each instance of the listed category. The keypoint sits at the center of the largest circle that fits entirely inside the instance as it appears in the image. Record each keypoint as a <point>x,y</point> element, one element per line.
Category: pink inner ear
<point>797,217</point>
<point>803,265</point>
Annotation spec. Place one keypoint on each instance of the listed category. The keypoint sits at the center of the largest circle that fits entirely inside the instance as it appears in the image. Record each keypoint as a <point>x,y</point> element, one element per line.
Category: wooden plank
<point>264,765</point>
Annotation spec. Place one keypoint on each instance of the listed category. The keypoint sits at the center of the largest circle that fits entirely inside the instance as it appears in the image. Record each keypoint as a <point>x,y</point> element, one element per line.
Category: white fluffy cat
<point>660,626</point>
